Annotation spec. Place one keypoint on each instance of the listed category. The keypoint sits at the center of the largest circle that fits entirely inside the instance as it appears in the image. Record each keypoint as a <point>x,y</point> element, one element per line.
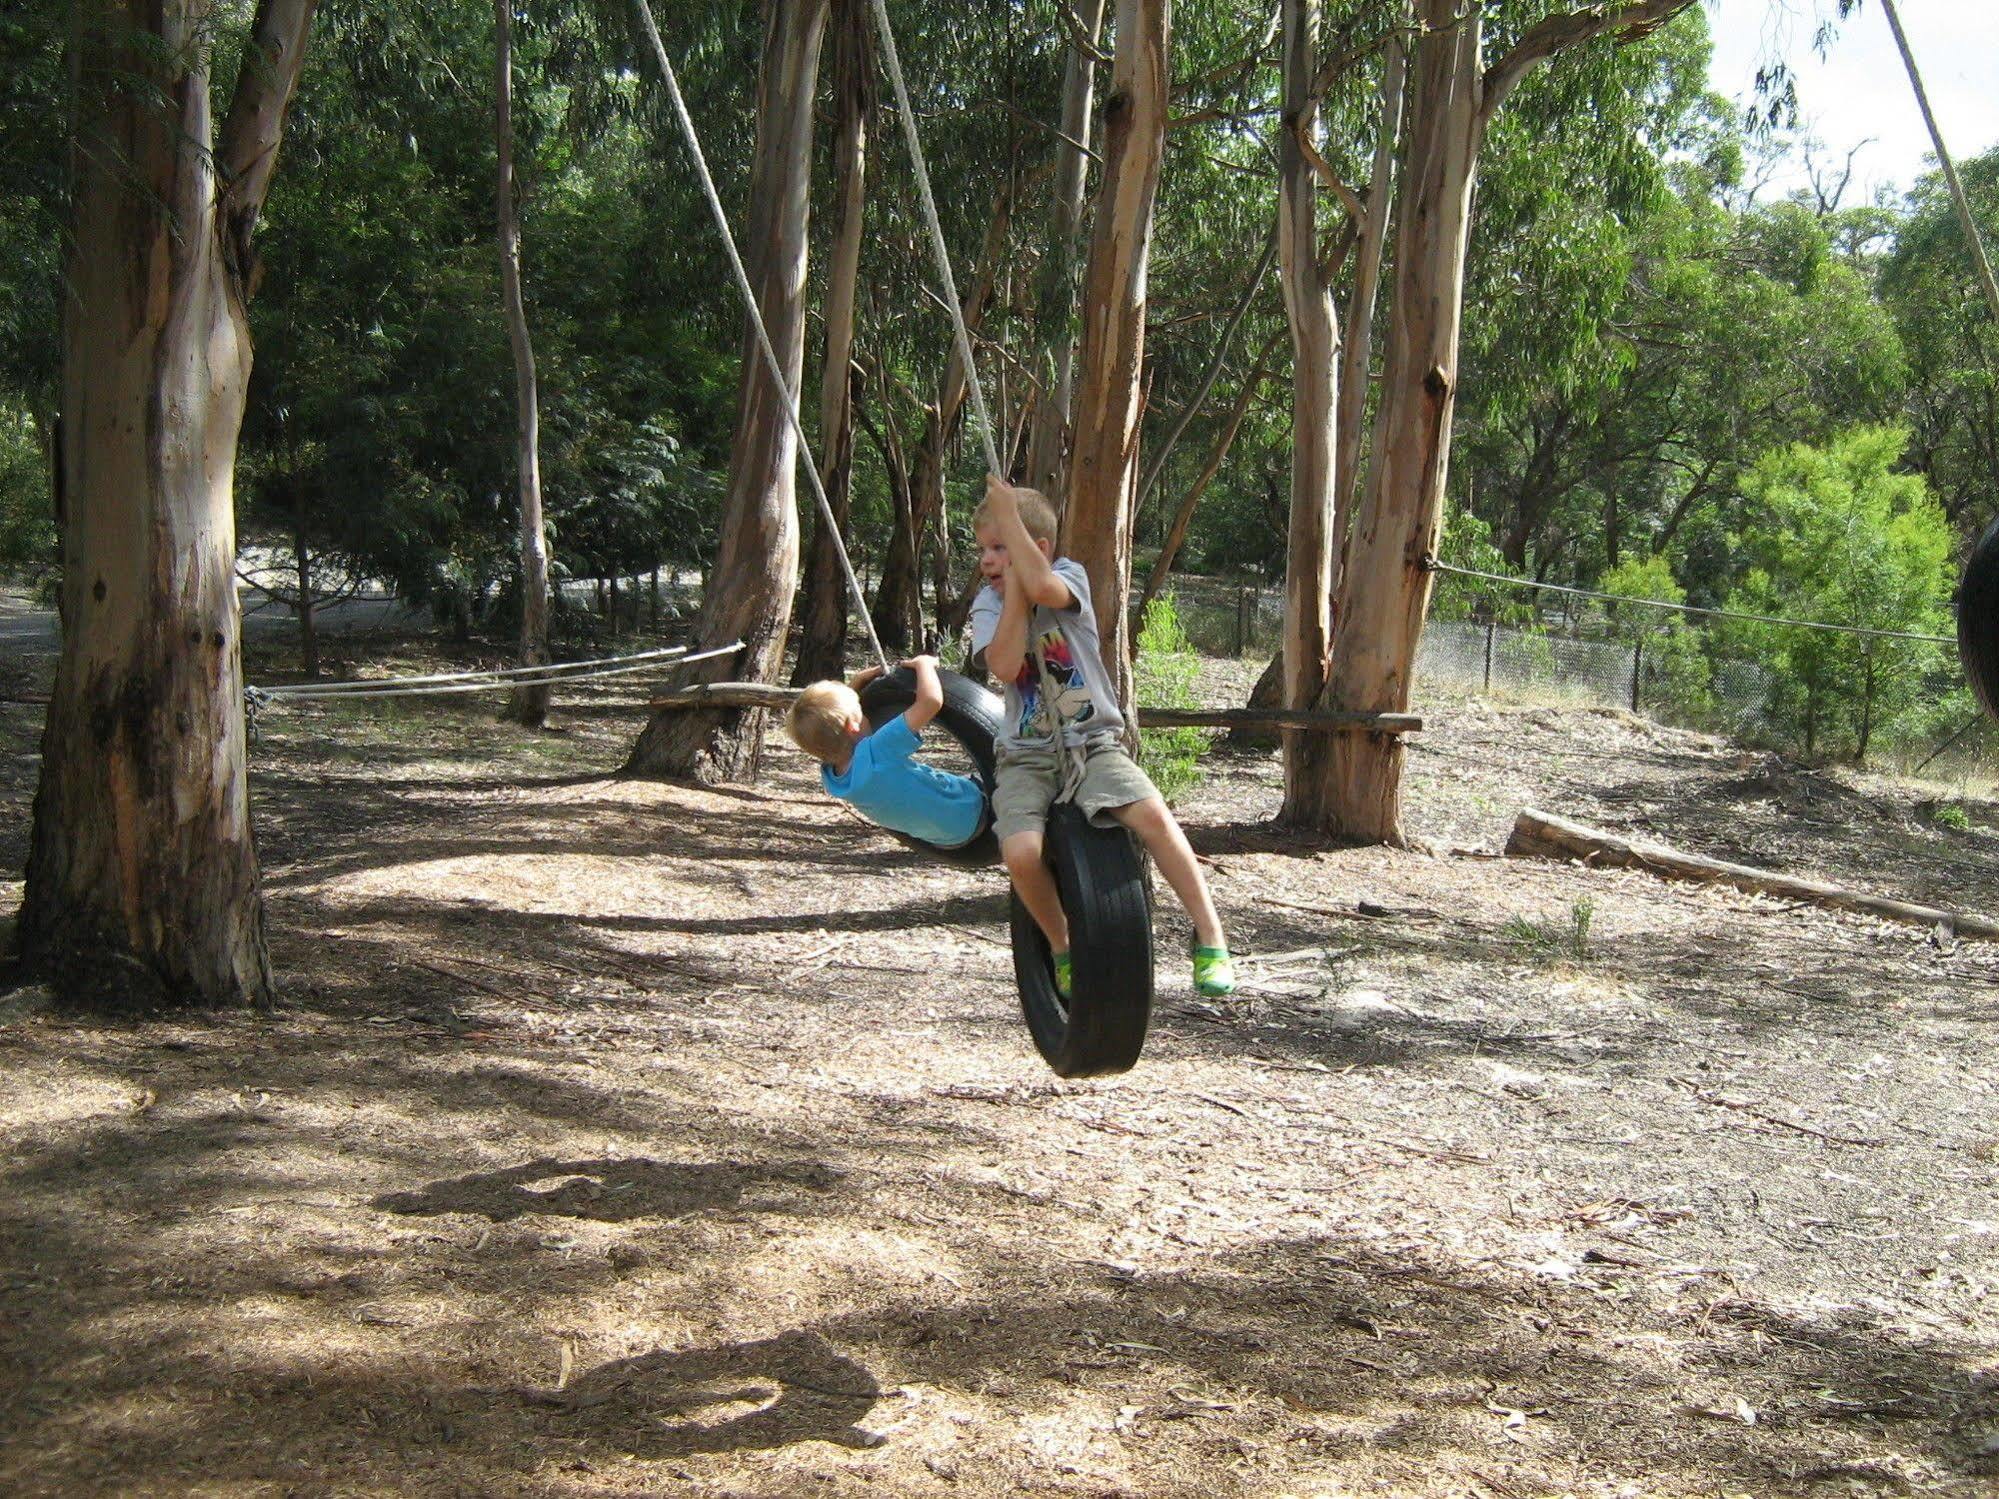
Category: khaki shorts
<point>1027,781</point>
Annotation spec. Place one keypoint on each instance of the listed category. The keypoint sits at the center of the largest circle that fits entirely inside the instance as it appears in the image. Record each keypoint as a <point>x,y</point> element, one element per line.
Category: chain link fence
<point>1583,654</point>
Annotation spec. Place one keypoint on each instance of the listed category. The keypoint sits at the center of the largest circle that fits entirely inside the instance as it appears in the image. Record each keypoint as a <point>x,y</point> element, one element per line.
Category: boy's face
<point>992,553</point>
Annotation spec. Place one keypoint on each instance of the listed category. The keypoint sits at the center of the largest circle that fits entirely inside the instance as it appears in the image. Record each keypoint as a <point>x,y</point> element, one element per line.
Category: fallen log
<point>1310,719</point>
<point>763,695</point>
<point>727,695</point>
<point>1544,835</point>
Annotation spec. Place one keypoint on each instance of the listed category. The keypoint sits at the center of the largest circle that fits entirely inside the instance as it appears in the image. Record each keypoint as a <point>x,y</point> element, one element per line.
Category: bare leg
<point>1035,882</point>
<point>1157,829</point>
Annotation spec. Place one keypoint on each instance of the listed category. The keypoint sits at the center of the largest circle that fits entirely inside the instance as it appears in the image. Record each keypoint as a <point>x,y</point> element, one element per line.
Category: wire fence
<point>1680,665</point>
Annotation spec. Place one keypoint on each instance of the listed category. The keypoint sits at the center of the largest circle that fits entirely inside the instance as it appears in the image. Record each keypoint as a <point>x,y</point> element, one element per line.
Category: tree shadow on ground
<point>798,1388</point>
<point>613,1189</point>
<point>372,834</point>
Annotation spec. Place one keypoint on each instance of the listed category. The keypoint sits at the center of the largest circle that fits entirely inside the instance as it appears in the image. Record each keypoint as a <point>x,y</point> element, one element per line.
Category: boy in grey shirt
<point>1034,629</point>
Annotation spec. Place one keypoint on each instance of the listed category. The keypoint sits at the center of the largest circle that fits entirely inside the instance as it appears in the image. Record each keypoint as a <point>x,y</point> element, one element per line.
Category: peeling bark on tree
<point>526,704</point>
<point>142,878</point>
<point>750,587</point>
<point>1358,354</point>
<point>1104,470</point>
<point>1384,587</point>
<point>822,646</point>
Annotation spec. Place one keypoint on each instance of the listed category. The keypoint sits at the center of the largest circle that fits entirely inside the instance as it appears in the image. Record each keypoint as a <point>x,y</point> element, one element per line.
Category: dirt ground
<point>625,1138</point>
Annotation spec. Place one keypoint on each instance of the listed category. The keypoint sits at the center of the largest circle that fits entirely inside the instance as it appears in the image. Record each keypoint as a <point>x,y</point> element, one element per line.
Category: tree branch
<point>1632,19</point>
<point>247,151</point>
<point>1079,34</point>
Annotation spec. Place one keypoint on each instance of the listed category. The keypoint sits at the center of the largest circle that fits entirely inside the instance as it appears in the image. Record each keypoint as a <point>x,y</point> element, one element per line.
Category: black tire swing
<point>1105,893</point>
<point>1107,897</point>
<point>1978,620</point>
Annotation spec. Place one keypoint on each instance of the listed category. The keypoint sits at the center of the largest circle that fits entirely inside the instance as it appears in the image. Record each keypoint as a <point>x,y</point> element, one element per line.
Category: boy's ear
<point>1047,547</point>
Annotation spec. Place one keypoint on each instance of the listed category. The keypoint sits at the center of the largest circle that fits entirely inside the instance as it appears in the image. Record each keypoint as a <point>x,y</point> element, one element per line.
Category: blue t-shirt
<point>889,785</point>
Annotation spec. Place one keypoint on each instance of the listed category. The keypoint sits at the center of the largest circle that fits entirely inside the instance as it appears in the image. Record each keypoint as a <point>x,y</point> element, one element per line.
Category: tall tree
<point>142,879</point>
<point>749,593</point>
<point>822,648</point>
<point>1104,468</point>
<point>1385,586</point>
<point>528,704</point>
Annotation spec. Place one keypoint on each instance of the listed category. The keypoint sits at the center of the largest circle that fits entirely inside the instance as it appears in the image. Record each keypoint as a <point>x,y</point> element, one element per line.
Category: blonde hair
<point>817,722</point>
<point>1037,513</point>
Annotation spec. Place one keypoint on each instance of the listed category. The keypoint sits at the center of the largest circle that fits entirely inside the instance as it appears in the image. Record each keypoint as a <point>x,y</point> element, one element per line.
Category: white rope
<point>982,420</point>
<point>434,686</point>
<point>329,689</point>
<point>1617,598</point>
<point>785,393</point>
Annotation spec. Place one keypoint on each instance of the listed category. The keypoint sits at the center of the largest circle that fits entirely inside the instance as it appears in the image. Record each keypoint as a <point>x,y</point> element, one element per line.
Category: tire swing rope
<point>1098,871</point>
<point>786,396</point>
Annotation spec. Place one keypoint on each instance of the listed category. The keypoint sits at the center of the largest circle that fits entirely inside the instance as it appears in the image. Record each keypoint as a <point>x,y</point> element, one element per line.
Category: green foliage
<point>1951,815</point>
<point>1466,541</point>
<point>1928,282</point>
<point>1165,677</point>
<point>27,521</point>
<point>1672,650</point>
<point>1839,536</point>
<point>1550,940</point>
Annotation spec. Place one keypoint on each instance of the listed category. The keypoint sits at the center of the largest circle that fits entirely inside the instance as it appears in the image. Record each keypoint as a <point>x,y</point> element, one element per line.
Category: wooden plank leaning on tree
<point>1543,835</point>
<point>762,695</point>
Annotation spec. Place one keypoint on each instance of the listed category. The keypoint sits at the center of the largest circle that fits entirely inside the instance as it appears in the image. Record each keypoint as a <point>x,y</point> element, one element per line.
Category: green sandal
<point>1214,973</point>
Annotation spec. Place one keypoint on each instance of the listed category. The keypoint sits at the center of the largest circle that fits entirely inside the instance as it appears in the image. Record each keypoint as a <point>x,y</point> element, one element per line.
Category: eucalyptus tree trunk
<point>822,648</point>
<point>1315,344</point>
<point>142,878</point>
<point>526,704</point>
<point>749,590</point>
<point>1104,471</point>
<point>1055,280</point>
<point>1384,589</point>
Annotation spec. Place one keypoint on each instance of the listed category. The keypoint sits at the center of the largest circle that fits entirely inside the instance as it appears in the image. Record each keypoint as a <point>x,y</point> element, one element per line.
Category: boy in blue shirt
<point>878,774</point>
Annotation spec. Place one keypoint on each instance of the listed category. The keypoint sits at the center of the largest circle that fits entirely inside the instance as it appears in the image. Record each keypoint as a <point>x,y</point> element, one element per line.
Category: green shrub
<point>1550,940</point>
<point>1167,670</point>
<point>1951,815</point>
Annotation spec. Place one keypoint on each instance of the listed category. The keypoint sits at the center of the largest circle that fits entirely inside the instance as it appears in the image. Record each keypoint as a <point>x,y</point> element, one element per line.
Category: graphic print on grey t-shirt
<point>1084,701</point>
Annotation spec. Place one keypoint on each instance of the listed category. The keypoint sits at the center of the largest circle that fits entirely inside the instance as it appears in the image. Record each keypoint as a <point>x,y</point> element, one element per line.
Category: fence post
<point>1490,626</point>
<point>1637,670</point>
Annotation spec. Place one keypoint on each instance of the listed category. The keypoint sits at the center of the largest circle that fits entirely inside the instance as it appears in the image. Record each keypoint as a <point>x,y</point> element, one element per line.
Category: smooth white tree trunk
<point>1315,343</point>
